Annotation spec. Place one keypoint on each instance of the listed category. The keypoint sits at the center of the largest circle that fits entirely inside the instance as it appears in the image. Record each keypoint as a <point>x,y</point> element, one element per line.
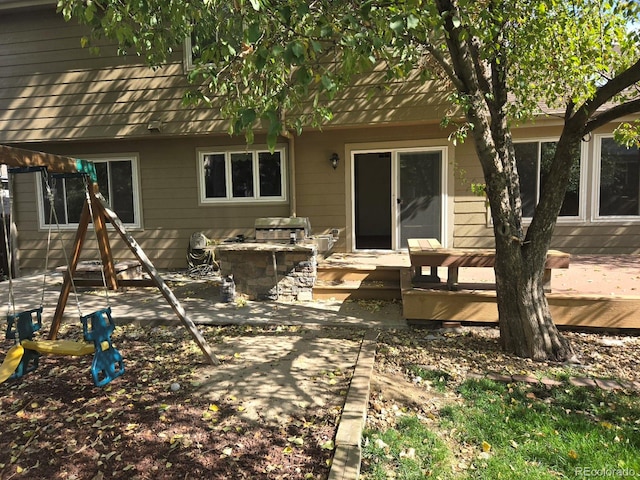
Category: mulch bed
<point>56,424</point>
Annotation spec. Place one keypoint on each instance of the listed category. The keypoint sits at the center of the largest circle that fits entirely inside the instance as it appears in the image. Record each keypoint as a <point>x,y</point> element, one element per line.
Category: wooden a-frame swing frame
<point>99,213</point>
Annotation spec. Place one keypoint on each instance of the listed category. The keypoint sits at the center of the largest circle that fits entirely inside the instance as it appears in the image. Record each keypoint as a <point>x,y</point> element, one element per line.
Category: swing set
<point>97,326</point>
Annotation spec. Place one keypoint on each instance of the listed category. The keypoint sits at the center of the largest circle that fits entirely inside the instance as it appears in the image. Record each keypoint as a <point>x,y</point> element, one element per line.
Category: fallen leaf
<point>328,445</point>
<point>296,441</point>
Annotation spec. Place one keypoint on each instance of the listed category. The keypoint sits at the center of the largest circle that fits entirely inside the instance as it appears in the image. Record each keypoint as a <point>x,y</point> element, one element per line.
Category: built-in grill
<point>281,262</point>
<point>291,230</point>
<point>282,229</point>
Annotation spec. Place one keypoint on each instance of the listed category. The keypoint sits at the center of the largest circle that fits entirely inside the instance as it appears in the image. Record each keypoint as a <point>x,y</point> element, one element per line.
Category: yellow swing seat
<point>11,362</point>
<point>59,347</point>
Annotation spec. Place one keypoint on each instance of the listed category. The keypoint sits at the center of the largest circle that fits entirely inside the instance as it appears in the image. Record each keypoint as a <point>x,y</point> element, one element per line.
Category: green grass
<point>439,379</point>
<point>390,453</point>
<point>526,433</point>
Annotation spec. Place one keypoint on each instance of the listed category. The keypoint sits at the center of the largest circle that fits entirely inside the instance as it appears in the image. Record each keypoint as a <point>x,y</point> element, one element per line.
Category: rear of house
<point>170,170</point>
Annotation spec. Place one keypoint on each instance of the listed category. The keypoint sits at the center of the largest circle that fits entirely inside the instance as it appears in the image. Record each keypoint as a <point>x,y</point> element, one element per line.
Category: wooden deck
<point>594,292</point>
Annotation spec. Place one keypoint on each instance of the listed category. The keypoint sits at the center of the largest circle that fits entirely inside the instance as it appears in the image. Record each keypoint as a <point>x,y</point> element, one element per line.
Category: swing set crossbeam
<point>97,211</point>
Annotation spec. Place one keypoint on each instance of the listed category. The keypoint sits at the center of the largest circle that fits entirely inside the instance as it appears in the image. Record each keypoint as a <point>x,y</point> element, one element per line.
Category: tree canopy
<point>263,59</point>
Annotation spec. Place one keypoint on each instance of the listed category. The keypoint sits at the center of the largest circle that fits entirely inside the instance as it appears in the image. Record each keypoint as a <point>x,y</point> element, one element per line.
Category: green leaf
<point>328,84</point>
<point>297,48</point>
<point>261,59</point>
<point>397,25</point>
<point>412,22</point>
<point>285,14</point>
<point>303,76</point>
<point>256,5</point>
<point>253,33</point>
<point>248,117</point>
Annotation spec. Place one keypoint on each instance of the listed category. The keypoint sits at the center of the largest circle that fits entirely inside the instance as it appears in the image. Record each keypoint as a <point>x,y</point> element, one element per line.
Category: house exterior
<point>170,170</point>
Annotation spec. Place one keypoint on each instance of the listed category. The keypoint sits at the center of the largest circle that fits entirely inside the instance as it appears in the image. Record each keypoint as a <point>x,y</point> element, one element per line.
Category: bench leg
<point>546,280</point>
<point>452,278</point>
<point>432,278</point>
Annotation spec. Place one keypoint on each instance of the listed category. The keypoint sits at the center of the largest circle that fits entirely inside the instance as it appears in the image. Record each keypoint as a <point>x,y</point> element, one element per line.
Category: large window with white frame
<point>242,175</point>
<point>533,160</point>
<point>118,183</point>
<point>617,180</point>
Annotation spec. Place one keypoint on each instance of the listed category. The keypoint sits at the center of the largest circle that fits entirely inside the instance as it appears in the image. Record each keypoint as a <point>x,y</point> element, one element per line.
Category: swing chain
<point>53,212</point>
<point>11,305</point>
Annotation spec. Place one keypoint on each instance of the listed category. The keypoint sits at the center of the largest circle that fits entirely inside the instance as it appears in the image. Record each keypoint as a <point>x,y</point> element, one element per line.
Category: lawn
<point>431,418</point>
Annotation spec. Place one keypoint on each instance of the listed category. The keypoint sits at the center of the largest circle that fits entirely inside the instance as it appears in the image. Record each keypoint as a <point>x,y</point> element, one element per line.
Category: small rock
<point>610,342</point>
<point>380,443</point>
<point>175,387</point>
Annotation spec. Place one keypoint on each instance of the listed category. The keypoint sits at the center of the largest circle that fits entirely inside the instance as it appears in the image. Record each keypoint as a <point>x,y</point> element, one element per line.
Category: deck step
<point>358,273</point>
<point>359,282</point>
<point>357,290</point>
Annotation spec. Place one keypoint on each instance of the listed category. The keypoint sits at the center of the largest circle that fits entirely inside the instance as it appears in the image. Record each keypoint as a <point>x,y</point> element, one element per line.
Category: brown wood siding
<point>51,89</point>
<point>470,222</point>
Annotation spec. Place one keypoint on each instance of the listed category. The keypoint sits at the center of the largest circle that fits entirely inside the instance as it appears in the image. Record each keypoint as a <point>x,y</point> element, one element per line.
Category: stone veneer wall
<point>252,267</point>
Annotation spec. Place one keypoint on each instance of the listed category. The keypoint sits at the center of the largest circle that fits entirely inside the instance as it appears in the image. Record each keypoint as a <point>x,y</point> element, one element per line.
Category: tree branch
<point>612,114</point>
<point>459,49</point>
<point>613,87</point>
<point>444,64</point>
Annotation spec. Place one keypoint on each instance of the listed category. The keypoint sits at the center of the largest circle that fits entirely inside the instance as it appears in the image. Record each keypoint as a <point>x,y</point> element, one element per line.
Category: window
<point>117,179</point>
<point>247,176</point>
<point>533,160</point>
<point>196,46</point>
<point>618,175</point>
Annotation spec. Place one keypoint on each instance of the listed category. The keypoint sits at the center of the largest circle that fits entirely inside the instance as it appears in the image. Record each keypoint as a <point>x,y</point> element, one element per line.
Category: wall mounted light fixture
<point>155,126</point>
<point>334,159</point>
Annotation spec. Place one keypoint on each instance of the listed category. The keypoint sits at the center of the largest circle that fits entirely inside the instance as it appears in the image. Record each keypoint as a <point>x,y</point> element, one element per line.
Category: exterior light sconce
<point>334,159</point>
<point>155,126</point>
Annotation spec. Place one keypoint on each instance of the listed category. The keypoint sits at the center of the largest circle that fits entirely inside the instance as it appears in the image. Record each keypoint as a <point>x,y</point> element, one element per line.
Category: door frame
<point>446,185</point>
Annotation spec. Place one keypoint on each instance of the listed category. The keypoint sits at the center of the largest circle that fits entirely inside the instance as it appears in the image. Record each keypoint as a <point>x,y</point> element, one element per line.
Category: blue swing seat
<point>108,364</point>
<point>22,326</point>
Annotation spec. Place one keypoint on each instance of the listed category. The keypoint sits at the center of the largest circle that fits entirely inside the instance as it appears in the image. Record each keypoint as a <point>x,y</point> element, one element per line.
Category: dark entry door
<point>373,215</point>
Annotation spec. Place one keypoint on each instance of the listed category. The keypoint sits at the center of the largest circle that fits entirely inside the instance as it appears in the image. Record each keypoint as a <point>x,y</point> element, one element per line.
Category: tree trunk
<point>526,327</point>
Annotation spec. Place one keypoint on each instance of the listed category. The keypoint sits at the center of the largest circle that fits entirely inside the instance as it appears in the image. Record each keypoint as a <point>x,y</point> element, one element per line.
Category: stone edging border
<point>602,383</point>
<point>348,450</point>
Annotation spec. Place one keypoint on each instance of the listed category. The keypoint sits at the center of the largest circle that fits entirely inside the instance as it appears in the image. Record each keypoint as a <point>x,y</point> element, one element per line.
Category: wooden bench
<point>427,252</point>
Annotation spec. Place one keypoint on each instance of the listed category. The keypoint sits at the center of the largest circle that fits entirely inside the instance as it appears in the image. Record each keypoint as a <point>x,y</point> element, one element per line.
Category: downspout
<point>293,204</point>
